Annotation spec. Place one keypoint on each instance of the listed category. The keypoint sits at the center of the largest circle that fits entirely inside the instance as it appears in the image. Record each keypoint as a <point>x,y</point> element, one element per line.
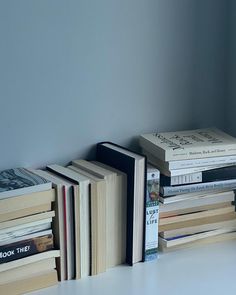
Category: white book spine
<point>197,152</point>
<point>202,162</point>
<point>198,187</point>
<point>186,179</point>
<point>152,214</point>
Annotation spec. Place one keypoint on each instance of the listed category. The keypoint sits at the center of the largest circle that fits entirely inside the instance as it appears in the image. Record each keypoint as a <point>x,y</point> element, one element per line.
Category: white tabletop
<point>209,269</point>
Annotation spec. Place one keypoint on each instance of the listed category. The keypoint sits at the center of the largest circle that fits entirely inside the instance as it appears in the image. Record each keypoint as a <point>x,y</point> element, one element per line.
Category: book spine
<point>152,215</point>
<point>25,248</point>
<point>168,191</point>
<point>227,160</point>
<point>201,152</point>
<point>219,174</point>
<point>180,179</point>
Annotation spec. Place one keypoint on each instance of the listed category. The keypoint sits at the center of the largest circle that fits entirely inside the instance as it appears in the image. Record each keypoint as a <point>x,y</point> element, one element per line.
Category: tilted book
<point>189,144</point>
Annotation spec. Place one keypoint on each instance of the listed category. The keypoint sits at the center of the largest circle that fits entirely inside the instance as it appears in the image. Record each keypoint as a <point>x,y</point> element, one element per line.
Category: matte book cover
<point>19,181</point>
<point>25,248</point>
<point>219,174</point>
<point>152,213</point>
<point>189,144</point>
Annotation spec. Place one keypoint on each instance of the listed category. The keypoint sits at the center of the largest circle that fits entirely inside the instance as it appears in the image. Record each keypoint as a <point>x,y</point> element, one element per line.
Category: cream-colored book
<point>115,209</point>
<point>30,283</point>
<point>189,144</point>
<point>98,220</point>
<point>80,216</point>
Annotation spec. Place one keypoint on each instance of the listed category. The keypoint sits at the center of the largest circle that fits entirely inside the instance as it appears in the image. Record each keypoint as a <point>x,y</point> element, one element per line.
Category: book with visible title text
<point>189,144</point>
<point>152,213</point>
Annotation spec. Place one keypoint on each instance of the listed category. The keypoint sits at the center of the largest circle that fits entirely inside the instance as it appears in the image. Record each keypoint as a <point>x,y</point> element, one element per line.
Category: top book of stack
<point>189,144</point>
<point>20,181</point>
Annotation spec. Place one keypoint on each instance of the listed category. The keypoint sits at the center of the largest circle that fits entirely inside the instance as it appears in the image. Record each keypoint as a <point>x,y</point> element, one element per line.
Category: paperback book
<point>189,144</point>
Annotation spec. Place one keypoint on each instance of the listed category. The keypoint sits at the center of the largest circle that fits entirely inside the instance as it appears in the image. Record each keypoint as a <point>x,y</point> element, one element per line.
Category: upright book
<point>189,144</point>
<point>152,213</point>
<point>80,215</point>
<point>134,165</point>
<point>116,202</point>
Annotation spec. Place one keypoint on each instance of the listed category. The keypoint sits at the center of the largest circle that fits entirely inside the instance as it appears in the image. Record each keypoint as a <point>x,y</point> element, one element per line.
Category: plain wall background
<point>232,72</point>
<point>73,73</point>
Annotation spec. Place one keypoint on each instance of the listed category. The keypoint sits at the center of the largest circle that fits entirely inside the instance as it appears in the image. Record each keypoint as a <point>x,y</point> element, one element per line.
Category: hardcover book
<point>189,144</point>
<point>134,165</point>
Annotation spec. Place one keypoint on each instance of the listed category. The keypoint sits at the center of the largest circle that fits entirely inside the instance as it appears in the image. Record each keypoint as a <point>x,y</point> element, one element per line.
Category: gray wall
<point>211,75</point>
<point>77,72</point>
<point>231,105</point>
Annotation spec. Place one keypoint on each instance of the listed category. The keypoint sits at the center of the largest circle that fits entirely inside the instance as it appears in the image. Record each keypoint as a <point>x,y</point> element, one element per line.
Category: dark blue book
<point>134,165</point>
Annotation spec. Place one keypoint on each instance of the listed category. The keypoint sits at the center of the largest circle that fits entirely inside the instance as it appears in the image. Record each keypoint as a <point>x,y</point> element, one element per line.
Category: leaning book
<point>189,144</point>
<point>152,213</point>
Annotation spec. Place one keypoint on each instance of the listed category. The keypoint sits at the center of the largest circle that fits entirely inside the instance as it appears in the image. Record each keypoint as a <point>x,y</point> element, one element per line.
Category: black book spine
<point>125,164</point>
<point>218,174</point>
<point>25,248</point>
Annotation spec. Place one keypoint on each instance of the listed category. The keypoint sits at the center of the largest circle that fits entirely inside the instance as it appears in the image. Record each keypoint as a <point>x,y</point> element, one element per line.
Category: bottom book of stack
<point>197,219</point>
<point>29,273</point>
<point>27,250</point>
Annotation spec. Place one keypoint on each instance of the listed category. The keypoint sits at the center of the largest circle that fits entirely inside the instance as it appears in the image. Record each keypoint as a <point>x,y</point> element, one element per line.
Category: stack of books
<point>27,255</point>
<point>197,182</point>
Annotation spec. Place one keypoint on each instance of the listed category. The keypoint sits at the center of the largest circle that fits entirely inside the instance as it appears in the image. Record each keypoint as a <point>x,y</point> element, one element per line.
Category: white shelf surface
<point>208,269</point>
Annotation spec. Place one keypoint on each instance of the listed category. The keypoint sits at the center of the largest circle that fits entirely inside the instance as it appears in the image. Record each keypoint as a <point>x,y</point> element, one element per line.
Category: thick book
<point>152,213</point>
<point>29,260</point>
<point>25,248</point>
<point>228,236</point>
<point>198,228</point>
<point>192,163</point>
<point>29,283</point>
<point>28,204</point>
<point>63,224</point>
<point>196,218</point>
<point>178,172</point>
<point>180,240</point>
<point>195,203</point>
<point>97,226</point>
<point>27,270</point>
<point>20,181</point>
<point>189,144</point>
<point>134,165</point>
<point>77,219</point>
<point>116,201</point>
<point>167,191</point>
<point>219,174</point>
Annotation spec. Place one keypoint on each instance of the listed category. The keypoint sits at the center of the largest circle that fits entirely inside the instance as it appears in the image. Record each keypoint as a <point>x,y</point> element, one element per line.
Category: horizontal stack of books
<point>27,253</point>
<point>197,182</point>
